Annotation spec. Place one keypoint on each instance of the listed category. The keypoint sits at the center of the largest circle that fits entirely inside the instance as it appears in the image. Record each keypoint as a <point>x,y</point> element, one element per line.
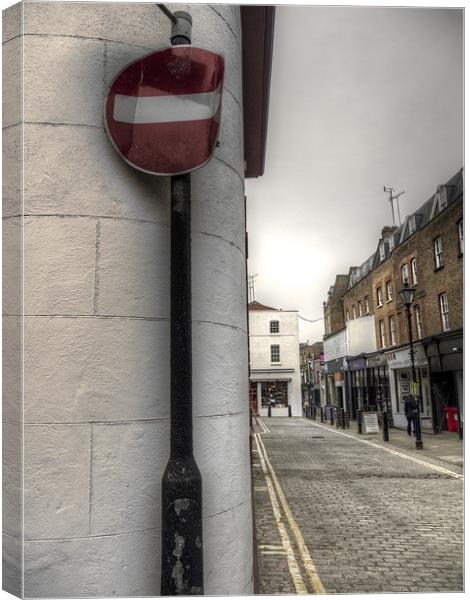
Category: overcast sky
<point>360,98</point>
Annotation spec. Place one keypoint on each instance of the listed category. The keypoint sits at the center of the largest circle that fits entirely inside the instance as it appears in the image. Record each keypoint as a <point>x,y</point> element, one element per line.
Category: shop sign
<point>370,422</point>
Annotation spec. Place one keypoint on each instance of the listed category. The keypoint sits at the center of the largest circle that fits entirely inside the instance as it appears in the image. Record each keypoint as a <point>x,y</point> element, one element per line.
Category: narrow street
<point>340,514</point>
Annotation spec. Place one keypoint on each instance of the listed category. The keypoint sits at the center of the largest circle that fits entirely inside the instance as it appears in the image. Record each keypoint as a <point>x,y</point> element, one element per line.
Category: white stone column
<point>95,320</point>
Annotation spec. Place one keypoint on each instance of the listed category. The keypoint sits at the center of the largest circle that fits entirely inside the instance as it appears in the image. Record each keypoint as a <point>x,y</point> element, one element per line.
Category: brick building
<point>427,252</point>
<point>311,362</point>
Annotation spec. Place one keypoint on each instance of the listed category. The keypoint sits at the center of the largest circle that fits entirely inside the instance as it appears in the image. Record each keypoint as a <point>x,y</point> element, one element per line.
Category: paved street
<point>336,514</point>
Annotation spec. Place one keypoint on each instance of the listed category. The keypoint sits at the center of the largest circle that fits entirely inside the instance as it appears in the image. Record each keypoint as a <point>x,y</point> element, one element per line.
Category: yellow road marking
<point>291,561</point>
<point>306,558</point>
<point>395,452</point>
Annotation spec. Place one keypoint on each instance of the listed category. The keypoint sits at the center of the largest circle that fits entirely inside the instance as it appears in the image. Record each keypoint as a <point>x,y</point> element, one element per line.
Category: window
<point>393,330</point>
<point>366,303</point>
<point>379,296</point>
<point>389,290</point>
<point>274,327</point>
<point>275,353</point>
<point>444,307</point>
<point>382,250</point>
<point>419,321</point>
<point>441,197</point>
<point>412,223</point>
<point>382,333</point>
<point>347,315</point>
<point>461,236</point>
<point>414,272</point>
<point>438,257</point>
<point>405,274</point>
<point>359,306</point>
<point>354,311</point>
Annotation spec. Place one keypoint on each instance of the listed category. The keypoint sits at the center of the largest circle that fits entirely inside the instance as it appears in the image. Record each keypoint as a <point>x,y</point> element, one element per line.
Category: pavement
<point>340,512</point>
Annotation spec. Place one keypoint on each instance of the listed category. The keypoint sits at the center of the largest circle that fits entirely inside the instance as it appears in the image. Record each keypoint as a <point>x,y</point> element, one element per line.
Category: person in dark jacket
<point>411,407</point>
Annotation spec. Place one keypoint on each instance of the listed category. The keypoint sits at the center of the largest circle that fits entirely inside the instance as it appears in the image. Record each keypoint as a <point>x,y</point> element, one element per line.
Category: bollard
<point>417,424</point>
<point>314,413</point>
<point>385,426</point>
<point>359,421</point>
<point>289,408</point>
<point>321,414</point>
<point>269,409</point>
<point>343,419</point>
<point>332,415</point>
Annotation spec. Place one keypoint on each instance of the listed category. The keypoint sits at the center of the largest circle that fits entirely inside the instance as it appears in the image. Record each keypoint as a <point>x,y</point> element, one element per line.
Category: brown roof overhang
<point>257,50</point>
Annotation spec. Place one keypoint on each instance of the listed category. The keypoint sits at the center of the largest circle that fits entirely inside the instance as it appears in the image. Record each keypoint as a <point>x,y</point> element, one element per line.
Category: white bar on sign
<point>166,109</point>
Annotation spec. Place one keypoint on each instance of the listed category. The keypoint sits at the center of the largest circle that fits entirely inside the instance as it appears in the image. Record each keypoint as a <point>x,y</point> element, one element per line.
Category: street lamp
<point>407,294</point>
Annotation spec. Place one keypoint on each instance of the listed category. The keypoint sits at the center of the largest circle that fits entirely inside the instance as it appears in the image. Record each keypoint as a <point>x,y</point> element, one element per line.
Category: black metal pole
<point>417,419</point>
<point>385,425</point>
<point>182,553</point>
<point>359,421</point>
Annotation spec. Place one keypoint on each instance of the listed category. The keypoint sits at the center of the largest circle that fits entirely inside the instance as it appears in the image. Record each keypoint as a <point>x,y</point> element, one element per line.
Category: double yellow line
<point>309,567</point>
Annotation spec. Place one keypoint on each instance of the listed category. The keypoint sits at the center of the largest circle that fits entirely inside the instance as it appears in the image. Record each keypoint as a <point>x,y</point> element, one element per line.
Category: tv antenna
<point>391,198</point>
<point>251,287</point>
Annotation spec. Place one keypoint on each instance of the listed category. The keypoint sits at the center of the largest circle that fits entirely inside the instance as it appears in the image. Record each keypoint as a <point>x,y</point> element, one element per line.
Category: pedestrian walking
<point>411,407</point>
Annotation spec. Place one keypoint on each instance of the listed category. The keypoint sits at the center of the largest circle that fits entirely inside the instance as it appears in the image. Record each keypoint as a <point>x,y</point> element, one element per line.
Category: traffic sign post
<point>162,114</point>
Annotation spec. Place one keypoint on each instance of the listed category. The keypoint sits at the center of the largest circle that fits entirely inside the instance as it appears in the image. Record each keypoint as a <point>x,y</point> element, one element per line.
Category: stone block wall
<point>86,314</point>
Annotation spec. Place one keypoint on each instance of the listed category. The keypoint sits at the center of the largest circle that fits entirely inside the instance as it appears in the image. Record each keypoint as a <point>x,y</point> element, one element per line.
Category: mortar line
<point>97,255</point>
<point>90,493</point>
<point>229,27</point>
<point>229,166</point>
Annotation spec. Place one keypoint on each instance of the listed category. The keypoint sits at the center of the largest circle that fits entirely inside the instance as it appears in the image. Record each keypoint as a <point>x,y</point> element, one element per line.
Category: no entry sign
<point>162,112</point>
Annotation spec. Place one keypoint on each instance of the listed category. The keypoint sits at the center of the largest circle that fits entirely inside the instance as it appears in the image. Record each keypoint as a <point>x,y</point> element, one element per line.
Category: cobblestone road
<point>336,515</point>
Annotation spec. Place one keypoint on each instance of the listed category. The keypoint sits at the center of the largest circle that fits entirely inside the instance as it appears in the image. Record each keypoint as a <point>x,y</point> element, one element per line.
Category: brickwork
<point>333,307</point>
<point>430,281</point>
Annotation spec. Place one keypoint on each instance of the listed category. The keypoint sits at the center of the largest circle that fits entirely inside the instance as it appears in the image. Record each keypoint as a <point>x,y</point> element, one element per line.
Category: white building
<point>274,361</point>
<point>86,258</point>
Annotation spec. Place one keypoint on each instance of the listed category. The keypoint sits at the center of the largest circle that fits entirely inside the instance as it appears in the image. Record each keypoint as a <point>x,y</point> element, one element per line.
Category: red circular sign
<point>162,112</point>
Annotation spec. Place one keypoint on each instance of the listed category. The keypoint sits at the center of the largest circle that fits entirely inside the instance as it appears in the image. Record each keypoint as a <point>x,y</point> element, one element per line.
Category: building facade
<point>275,385</point>
<point>425,252</point>
<point>87,308</point>
<point>311,364</point>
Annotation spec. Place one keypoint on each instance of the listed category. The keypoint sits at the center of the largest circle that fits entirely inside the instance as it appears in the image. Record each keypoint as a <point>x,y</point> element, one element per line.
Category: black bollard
<point>359,421</point>
<point>343,419</point>
<point>314,413</point>
<point>332,415</point>
<point>417,423</point>
<point>385,426</point>
<point>289,408</point>
<point>269,409</point>
<point>321,414</point>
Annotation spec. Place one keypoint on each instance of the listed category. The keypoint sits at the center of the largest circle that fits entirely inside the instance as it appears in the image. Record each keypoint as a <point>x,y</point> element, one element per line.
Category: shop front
<point>357,369</point>
<point>401,385</point>
<point>273,393</point>
<point>335,383</point>
<point>445,358</point>
<point>369,384</point>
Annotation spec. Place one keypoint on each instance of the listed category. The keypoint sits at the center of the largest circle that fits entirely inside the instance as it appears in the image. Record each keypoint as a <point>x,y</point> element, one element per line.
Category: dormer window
<point>441,194</point>
<point>382,250</point>
<point>412,224</point>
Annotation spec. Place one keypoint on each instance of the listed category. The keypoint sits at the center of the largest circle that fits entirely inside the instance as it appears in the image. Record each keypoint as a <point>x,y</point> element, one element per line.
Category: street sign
<point>162,112</point>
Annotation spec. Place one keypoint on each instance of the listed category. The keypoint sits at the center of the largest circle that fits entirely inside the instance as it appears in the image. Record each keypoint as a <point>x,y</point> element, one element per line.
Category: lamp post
<point>407,294</point>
